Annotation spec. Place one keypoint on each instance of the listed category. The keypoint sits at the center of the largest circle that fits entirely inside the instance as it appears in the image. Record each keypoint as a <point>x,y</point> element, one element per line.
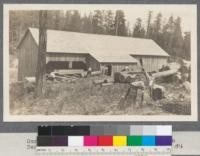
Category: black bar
<point>63,130</point>
<point>58,130</point>
<point>81,130</point>
<point>70,130</point>
<point>44,130</point>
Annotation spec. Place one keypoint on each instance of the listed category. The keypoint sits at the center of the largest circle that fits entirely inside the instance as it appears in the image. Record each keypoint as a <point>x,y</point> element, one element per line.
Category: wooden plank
<point>70,72</point>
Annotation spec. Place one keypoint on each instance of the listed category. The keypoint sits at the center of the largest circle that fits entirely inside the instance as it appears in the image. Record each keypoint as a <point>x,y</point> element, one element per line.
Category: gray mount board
<point>9,127</point>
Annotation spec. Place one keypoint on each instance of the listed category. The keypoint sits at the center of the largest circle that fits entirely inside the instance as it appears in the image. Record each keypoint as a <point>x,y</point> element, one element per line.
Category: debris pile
<point>128,77</point>
<point>104,82</point>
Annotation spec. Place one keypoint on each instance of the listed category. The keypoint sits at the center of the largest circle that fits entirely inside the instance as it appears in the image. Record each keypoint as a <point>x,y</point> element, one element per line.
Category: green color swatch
<point>134,140</point>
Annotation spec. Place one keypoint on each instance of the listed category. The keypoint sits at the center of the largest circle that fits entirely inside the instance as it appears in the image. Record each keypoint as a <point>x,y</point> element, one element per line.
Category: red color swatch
<point>105,141</point>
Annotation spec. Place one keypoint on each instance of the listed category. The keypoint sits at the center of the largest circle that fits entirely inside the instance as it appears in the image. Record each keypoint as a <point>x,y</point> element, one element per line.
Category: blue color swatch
<point>148,141</point>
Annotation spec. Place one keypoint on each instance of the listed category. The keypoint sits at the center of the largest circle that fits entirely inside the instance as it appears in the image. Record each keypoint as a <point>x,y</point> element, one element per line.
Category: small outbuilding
<point>73,50</point>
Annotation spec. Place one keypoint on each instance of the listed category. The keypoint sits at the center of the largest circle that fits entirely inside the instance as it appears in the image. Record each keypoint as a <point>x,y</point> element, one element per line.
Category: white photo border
<point>7,117</point>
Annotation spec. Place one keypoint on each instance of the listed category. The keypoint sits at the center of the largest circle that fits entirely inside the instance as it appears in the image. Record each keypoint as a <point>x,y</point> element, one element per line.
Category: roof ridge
<point>93,34</point>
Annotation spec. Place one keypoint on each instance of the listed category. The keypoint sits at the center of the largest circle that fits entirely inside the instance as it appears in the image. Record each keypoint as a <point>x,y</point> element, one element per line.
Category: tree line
<point>166,33</point>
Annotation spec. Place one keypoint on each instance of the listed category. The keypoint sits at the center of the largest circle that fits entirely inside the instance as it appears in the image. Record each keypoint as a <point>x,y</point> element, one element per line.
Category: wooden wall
<point>68,57</point>
<point>28,49</point>
<point>27,55</point>
<point>152,63</point>
<point>118,67</point>
<point>92,62</point>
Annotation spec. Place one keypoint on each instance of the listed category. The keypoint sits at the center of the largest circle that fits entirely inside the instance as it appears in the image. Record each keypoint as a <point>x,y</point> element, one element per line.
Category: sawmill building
<point>72,50</point>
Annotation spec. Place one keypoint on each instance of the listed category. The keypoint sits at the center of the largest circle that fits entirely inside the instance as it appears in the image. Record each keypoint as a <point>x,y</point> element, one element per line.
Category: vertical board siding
<point>93,63</point>
<point>27,58</point>
<point>27,55</point>
<point>65,57</point>
<point>118,67</point>
<point>28,50</point>
<point>152,63</point>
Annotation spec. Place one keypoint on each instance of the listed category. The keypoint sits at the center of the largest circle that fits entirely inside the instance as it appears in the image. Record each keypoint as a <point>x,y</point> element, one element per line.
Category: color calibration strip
<point>118,135</point>
<point>77,141</point>
<point>102,139</point>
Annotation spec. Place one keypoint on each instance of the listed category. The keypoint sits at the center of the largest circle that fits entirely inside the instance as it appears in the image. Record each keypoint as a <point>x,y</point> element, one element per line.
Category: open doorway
<point>109,69</point>
<point>79,65</point>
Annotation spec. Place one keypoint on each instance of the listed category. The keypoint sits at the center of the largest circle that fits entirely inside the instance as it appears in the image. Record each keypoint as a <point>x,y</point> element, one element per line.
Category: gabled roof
<point>104,48</point>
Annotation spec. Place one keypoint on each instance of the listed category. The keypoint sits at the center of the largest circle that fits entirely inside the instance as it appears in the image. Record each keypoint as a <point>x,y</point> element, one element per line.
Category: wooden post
<point>41,62</point>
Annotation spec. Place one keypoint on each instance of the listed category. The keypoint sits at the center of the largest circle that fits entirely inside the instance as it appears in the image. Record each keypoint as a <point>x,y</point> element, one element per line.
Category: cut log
<point>96,82</point>
<point>107,84</point>
<point>95,73</point>
<point>108,80</point>
<point>103,81</point>
<point>165,73</point>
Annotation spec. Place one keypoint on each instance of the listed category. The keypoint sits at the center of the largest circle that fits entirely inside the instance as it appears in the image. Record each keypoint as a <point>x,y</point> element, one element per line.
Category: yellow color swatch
<point>119,140</point>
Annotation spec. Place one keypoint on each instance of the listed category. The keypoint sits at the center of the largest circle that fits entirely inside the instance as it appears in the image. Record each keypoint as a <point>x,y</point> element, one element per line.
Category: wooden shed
<point>72,50</point>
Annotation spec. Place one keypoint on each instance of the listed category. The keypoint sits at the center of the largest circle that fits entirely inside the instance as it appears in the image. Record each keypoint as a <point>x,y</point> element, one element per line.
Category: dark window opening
<point>79,65</point>
<point>109,70</point>
<point>141,62</point>
<point>53,65</point>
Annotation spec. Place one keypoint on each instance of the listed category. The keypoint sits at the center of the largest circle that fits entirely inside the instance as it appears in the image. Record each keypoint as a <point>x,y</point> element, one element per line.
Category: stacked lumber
<point>71,72</point>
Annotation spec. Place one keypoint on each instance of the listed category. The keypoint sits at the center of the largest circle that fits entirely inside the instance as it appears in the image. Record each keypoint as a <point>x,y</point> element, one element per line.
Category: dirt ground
<point>82,97</point>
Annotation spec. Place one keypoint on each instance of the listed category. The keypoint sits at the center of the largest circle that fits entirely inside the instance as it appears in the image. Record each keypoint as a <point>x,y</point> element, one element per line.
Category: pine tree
<point>19,22</point>
<point>109,22</point>
<point>86,24</point>
<point>168,31</point>
<point>119,23</point>
<point>67,20</point>
<point>156,34</point>
<point>177,38</point>
<point>54,19</point>
<point>187,46</point>
<point>97,22</point>
<point>57,19</point>
<point>129,34</point>
<point>75,22</point>
<point>138,30</point>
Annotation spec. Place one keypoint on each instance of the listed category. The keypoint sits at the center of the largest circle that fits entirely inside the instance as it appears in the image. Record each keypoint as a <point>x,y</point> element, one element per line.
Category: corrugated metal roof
<point>104,48</point>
